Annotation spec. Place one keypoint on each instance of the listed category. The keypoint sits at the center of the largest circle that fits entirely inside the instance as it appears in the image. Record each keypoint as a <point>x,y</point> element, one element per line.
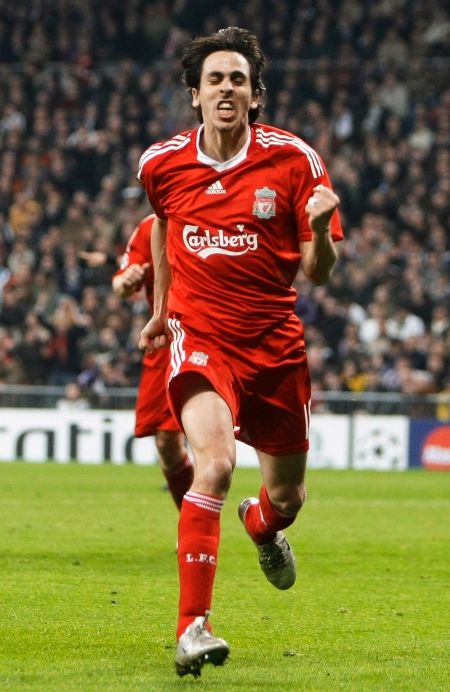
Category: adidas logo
<point>216,189</point>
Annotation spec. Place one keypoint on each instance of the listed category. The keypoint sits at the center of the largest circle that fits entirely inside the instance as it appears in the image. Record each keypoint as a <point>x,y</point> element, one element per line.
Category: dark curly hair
<point>233,39</point>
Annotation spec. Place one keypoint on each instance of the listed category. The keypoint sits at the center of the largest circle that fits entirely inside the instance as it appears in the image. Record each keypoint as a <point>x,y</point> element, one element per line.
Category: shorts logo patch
<point>264,205</point>
<point>198,358</point>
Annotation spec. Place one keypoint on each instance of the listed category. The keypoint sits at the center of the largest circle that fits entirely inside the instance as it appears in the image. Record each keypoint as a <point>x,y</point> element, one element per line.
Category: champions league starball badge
<point>264,206</point>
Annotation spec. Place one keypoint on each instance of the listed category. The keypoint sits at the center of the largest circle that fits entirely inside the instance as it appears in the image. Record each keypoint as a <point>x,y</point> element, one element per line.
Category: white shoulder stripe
<point>267,139</point>
<point>160,145</point>
<point>314,162</point>
<point>274,139</point>
<point>287,138</point>
<point>156,149</point>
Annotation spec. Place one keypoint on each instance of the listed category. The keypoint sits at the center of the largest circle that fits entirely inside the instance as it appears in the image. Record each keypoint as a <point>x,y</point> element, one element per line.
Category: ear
<point>254,102</point>
<point>195,98</point>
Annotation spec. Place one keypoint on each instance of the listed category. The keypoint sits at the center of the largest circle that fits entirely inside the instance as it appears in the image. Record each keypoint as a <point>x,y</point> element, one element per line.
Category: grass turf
<point>88,584</point>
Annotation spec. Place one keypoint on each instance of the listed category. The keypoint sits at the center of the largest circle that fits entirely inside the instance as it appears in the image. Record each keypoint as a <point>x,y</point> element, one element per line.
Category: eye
<point>214,78</point>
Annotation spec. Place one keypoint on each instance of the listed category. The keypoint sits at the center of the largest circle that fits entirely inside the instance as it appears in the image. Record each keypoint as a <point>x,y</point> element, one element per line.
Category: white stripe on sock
<point>204,501</point>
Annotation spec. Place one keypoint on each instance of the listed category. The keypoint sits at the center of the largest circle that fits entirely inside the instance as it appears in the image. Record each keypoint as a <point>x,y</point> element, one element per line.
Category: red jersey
<point>234,227</point>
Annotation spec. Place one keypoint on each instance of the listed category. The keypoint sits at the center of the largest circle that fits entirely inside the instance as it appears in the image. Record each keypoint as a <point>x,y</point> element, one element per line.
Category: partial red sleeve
<point>148,182</point>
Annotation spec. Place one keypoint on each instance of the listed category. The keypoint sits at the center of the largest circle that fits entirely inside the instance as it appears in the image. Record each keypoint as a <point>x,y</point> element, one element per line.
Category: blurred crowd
<point>87,85</point>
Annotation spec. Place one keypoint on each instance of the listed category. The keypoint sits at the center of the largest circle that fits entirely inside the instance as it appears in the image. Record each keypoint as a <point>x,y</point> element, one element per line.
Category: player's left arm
<point>319,254</point>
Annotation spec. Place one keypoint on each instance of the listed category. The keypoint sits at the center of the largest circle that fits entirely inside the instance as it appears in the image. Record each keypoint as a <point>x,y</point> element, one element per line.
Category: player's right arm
<point>155,333</point>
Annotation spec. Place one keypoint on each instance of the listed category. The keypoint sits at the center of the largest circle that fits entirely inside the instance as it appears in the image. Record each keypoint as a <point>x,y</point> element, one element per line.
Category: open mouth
<point>225,108</point>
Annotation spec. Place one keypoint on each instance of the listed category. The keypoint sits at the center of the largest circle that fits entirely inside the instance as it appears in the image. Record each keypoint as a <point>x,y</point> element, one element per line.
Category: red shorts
<point>266,385</point>
<point>152,408</point>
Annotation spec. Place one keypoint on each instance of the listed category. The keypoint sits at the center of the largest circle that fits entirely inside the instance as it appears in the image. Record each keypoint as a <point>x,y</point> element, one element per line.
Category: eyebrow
<point>233,74</point>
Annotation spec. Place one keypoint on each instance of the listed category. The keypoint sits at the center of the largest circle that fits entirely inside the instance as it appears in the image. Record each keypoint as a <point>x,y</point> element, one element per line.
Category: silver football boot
<point>276,558</point>
<point>198,646</point>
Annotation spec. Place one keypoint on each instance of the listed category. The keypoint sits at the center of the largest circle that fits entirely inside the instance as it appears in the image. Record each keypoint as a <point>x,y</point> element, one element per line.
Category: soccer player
<point>153,416</point>
<point>239,205</point>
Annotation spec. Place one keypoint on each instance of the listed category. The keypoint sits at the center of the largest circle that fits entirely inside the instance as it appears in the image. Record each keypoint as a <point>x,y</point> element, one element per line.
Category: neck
<point>222,145</point>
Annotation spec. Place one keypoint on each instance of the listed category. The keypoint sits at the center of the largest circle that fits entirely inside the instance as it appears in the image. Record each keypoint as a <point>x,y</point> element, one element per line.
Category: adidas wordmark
<point>216,189</point>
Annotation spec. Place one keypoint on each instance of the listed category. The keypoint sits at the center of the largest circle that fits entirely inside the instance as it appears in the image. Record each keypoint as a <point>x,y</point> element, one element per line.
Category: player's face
<point>225,91</point>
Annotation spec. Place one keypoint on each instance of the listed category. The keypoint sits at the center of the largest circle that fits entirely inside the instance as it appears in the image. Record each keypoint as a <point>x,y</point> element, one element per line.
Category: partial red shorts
<point>152,408</point>
<point>266,385</point>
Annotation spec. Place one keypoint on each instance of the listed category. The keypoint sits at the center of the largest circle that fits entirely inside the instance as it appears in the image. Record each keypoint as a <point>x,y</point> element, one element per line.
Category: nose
<point>226,86</point>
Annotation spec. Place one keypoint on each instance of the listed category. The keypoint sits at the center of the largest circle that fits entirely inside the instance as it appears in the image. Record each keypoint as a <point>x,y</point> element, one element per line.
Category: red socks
<point>262,521</point>
<point>198,543</point>
<point>180,480</point>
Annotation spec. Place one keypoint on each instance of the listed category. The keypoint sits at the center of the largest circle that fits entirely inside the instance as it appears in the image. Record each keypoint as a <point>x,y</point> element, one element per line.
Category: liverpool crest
<point>264,206</point>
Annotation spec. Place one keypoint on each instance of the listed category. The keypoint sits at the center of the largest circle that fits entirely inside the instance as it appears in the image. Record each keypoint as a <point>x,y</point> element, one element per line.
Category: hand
<point>320,208</point>
<point>133,276</point>
<point>93,259</point>
<point>154,335</point>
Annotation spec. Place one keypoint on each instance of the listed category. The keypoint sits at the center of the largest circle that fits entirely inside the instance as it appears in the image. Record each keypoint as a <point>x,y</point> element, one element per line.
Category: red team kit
<point>233,237</point>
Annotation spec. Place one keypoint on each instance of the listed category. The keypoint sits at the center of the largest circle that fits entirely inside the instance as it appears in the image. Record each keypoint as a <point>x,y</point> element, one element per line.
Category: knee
<point>288,500</point>
<point>214,477</point>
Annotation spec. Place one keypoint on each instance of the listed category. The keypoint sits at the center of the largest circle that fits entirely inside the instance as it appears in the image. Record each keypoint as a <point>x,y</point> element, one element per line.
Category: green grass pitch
<point>88,584</point>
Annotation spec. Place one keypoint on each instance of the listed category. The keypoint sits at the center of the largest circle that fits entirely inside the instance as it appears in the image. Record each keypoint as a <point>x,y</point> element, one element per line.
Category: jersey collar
<point>220,166</point>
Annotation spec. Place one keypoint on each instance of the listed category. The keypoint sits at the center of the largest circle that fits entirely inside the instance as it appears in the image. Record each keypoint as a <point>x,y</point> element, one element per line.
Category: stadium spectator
<point>67,327</point>
<point>10,370</point>
<point>73,399</point>
<point>32,351</point>
<point>238,364</point>
<point>392,172</point>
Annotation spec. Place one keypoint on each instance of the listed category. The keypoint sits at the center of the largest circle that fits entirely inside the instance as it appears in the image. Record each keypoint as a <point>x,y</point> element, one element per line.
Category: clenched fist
<point>320,208</point>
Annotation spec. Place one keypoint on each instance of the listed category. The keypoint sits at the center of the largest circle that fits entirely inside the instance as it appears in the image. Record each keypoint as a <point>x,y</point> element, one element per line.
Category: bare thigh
<point>208,426</point>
